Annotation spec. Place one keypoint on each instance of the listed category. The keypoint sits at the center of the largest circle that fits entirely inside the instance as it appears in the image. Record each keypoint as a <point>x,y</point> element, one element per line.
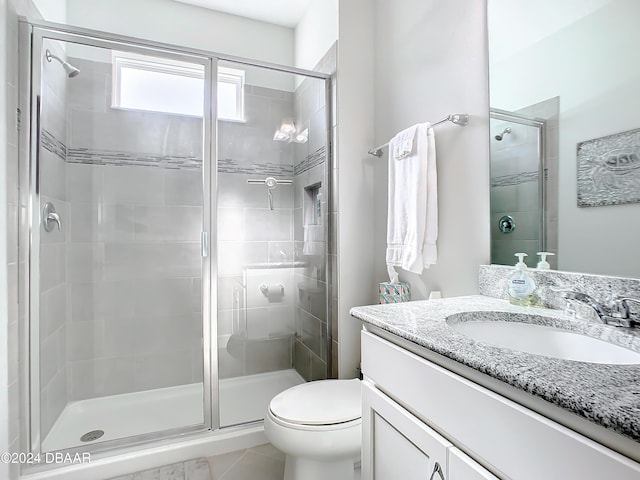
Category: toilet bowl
<point>317,425</point>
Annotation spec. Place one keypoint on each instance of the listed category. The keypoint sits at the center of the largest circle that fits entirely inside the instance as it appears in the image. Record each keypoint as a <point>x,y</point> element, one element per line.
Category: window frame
<point>120,60</point>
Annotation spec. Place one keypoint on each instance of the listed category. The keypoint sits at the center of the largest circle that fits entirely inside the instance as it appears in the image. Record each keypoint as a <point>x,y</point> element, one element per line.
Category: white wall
<point>316,32</point>
<point>356,282</point>
<point>430,61</point>
<point>177,23</point>
<point>590,66</point>
<point>52,10</point>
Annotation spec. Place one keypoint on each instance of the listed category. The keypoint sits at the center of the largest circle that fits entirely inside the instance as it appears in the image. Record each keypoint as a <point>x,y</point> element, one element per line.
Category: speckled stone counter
<point>608,395</point>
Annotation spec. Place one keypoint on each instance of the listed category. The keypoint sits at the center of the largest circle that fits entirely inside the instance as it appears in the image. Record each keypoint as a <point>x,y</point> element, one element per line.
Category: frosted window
<point>161,92</point>
<point>160,85</point>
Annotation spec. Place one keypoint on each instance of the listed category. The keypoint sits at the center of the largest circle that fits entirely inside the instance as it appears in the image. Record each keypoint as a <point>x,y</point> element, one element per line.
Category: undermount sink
<point>517,332</point>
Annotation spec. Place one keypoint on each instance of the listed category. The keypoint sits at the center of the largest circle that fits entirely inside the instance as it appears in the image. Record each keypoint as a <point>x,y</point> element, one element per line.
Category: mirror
<point>565,133</point>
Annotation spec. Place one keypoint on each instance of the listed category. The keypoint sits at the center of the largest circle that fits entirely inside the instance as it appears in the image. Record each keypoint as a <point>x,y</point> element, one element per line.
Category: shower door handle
<point>51,218</point>
<point>204,243</point>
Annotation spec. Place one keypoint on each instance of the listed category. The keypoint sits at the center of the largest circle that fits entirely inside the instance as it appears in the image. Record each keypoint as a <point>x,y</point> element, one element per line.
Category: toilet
<point>317,425</point>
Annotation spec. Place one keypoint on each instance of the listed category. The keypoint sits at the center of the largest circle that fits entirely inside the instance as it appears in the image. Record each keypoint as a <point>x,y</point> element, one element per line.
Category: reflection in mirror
<point>561,91</point>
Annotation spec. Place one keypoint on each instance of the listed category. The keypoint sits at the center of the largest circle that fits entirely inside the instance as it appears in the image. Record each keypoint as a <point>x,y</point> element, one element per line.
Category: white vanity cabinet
<point>417,415</point>
<point>397,445</point>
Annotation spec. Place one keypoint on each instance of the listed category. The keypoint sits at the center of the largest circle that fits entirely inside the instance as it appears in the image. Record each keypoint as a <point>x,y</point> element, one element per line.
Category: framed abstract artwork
<point>609,170</point>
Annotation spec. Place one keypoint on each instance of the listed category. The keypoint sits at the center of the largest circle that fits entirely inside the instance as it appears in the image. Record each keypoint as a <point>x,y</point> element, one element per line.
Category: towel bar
<point>458,118</point>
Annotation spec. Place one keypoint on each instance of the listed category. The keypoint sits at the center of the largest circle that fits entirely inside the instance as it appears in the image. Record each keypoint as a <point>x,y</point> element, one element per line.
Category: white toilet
<point>318,426</point>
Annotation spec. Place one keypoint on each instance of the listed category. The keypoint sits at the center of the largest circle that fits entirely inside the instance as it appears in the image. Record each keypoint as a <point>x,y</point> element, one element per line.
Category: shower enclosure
<point>176,245</point>
<point>518,187</point>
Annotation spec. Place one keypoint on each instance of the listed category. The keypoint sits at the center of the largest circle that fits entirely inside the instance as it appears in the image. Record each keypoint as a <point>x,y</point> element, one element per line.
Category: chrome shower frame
<point>31,55</point>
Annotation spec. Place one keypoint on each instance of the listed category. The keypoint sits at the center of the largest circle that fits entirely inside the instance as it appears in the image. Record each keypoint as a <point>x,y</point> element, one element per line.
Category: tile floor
<point>197,469</point>
<point>263,462</point>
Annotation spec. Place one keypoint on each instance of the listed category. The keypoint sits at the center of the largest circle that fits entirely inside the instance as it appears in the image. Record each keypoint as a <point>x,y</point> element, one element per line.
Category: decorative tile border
<point>228,165</point>
<point>51,144</point>
<point>316,158</point>
<point>515,179</point>
<point>115,158</point>
<point>174,162</point>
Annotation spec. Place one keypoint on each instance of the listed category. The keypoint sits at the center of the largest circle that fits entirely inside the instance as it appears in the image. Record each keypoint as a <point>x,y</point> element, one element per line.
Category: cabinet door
<point>462,467</point>
<point>397,445</point>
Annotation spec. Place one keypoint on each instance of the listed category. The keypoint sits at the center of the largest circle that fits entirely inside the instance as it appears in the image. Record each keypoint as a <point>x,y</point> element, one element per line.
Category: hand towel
<point>412,222</point>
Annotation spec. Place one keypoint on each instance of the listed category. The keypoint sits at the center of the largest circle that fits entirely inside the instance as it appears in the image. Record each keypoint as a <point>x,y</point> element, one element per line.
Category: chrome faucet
<point>615,312</point>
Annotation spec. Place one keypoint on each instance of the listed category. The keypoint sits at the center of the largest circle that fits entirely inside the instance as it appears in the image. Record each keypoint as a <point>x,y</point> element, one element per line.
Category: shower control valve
<point>507,224</point>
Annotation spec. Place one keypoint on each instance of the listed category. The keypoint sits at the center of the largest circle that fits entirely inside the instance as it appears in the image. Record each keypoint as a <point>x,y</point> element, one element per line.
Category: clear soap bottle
<point>543,264</point>
<point>521,286</point>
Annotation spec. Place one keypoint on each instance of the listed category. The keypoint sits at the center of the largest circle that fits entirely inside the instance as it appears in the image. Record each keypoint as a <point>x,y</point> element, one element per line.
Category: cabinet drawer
<point>516,442</point>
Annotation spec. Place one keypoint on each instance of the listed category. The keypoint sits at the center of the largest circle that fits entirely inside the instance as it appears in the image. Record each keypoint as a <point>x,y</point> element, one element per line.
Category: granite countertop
<point>608,395</point>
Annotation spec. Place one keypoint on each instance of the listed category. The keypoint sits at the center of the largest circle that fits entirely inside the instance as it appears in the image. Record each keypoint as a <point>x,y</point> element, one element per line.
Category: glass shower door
<point>118,269</point>
<point>517,189</point>
<point>271,236</point>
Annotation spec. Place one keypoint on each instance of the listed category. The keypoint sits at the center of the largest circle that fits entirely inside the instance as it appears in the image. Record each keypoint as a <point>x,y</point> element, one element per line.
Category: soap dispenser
<point>543,264</point>
<point>521,286</point>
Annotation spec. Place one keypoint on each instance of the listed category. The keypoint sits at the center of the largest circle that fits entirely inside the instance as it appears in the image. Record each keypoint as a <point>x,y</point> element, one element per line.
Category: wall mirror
<point>565,133</point>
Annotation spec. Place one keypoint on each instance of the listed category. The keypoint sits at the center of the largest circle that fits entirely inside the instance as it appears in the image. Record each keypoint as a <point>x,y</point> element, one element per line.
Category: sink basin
<point>517,332</point>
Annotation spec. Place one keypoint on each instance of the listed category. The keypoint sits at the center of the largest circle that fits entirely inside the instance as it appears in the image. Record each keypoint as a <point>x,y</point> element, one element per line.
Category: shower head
<point>70,69</point>
<point>500,136</point>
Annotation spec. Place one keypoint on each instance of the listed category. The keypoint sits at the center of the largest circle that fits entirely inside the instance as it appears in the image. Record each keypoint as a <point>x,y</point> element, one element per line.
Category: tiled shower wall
<point>549,111</point>
<point>256,331</point>
<point>134,186</point>
<point>260,328</point>
<point>313,283</point>
<point>132,302</point>
<point>515,185</point>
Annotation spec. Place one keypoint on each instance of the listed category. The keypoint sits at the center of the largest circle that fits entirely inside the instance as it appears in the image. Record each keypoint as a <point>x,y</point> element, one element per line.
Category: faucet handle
<point>622,303</point>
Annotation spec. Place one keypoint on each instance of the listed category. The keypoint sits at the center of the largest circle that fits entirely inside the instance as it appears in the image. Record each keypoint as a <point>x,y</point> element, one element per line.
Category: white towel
<point>412,222</point>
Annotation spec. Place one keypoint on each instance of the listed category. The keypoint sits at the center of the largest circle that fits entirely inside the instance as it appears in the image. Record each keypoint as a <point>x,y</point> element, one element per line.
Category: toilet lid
<point>323,402</point>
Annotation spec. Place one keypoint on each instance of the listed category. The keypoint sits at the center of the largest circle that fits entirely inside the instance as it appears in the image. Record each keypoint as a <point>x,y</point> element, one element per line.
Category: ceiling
<point>280,12</point>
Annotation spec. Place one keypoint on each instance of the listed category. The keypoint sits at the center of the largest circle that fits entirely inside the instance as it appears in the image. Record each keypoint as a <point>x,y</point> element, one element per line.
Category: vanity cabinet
<point>417,414</point>
<point>397,445</point>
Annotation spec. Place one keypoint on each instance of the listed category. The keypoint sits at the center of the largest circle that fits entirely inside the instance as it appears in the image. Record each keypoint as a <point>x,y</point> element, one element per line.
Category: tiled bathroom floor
<point>263,462</point>
<point>197,469</point>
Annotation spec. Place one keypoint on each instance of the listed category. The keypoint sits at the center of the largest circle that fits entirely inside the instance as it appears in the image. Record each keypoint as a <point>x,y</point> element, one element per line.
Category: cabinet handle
<point>437,469</point>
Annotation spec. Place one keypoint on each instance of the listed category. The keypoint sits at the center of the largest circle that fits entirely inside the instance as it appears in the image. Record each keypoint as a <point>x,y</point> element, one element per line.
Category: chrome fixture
<point>506,224</point>
<point>70,69</point>
<point>461,119</point>
<point>271,184</point>
<point>500,136</point>
<point>50,218</point>
<point>615,312</point>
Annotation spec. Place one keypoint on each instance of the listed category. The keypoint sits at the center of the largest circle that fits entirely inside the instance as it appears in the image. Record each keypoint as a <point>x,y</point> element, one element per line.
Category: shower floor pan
<point>242,400</point>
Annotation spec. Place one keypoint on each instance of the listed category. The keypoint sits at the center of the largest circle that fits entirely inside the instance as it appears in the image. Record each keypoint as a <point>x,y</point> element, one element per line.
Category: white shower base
<point>242,399</point>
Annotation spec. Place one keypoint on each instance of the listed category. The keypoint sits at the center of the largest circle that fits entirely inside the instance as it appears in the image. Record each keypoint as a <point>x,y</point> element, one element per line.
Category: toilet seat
<point>326,403</point>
